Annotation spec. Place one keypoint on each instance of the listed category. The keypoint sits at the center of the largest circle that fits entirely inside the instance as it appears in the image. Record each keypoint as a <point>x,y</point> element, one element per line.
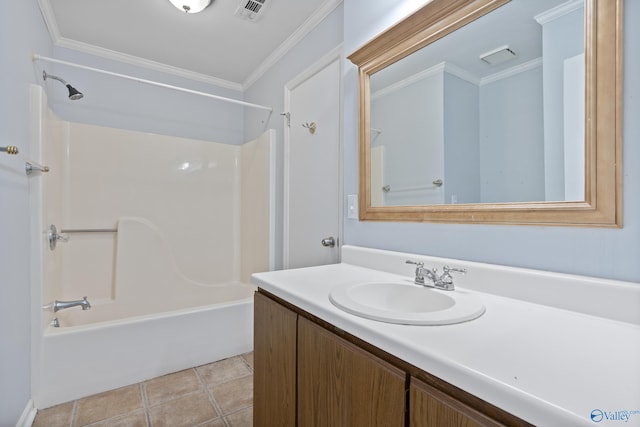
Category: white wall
<point>22,31</point>
<point>611,253</point>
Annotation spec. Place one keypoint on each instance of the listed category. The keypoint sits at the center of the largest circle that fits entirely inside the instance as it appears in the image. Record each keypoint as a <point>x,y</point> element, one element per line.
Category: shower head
<point>73,92</point>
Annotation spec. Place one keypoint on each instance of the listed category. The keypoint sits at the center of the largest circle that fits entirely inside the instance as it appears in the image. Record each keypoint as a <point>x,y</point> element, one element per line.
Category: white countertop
<point>547,365</point>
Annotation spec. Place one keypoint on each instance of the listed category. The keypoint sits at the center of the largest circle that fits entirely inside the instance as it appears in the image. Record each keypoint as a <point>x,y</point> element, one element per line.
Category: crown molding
<point>49,20</point>
<point>440,68</point>
<point>517,69</point>
<point>558,11</point>
<point>312,22</point>
<point>461,73</point>
<point>145,63</point>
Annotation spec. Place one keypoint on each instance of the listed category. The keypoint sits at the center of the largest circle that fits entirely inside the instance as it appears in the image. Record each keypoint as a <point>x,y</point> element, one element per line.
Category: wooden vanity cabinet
<point>340,384</point>
<point>308,373</point>
<point>274,349</point>
<point>430,407</point>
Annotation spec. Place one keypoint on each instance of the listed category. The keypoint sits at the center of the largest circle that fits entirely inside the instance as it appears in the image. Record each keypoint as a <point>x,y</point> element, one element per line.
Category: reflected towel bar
<point>436,184</point>
<point>90,230</point>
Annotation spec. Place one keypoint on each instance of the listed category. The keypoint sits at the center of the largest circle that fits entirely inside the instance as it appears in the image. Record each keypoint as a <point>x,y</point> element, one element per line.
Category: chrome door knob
<point>328,242</point>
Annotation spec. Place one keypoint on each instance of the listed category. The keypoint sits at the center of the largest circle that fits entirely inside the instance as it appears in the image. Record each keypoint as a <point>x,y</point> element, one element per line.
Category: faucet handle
<point>420,271</point>
<point>448,270</point>
<point>418,263</point>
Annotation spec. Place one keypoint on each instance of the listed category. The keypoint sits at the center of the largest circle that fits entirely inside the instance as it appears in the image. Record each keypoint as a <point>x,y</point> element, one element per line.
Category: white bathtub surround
<point>550,348</point>
<point>166,288</point>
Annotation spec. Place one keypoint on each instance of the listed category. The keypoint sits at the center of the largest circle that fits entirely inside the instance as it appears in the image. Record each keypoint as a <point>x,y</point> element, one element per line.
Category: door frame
<point>315,68</point>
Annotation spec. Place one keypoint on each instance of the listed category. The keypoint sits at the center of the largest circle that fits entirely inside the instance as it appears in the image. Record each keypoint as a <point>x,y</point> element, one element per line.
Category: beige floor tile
<point>248,357</point>
<point>56,416</point>
<point>172,386</point>
<point>108,404</point>
<point>134,419</point>
<point>215,423</point>
<point>234,395</point>
<point>223,371</point>
<point>187,411</point>
<point>242,418</point>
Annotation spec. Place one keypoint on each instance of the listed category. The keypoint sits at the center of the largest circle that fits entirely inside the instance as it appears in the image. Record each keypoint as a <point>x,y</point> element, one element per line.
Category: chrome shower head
<point>74,94</point>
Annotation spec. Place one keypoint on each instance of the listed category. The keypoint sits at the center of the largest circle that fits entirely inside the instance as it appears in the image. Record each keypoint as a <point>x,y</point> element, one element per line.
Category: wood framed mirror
<point>588,189</point>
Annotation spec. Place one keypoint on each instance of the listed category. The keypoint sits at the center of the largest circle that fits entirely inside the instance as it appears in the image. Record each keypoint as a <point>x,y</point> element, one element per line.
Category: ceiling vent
<point>498,56</point>
<point>251,10</point>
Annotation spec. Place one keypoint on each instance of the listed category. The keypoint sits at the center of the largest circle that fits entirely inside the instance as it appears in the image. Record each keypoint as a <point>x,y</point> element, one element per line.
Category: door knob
<point>328,242</point>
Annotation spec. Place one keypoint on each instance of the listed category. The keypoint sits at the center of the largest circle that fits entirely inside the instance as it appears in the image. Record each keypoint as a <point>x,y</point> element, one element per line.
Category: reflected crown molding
<point>446,67</point>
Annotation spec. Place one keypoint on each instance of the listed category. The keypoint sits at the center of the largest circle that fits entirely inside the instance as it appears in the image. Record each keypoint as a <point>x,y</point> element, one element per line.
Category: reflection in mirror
<point>491,113</point>
<point>521,171</point>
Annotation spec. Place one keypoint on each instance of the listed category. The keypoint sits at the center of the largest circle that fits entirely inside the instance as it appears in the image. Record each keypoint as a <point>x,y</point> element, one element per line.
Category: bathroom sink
<point>406,303</point>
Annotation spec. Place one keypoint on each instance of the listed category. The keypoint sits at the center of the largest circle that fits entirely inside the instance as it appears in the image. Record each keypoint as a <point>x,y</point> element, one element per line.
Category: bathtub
<point>157,321</point>
<point>168,282</point>
<point>85,359</point>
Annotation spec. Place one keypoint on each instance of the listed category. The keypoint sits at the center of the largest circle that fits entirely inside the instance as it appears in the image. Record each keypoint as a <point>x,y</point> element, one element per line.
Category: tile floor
<point>219,394</point>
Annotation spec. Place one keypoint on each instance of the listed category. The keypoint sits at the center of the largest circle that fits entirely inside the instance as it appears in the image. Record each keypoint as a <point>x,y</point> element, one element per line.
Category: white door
<point>312,176</point>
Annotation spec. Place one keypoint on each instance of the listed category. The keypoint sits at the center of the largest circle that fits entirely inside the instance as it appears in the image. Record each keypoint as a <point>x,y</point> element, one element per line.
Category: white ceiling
<point>215,45</point>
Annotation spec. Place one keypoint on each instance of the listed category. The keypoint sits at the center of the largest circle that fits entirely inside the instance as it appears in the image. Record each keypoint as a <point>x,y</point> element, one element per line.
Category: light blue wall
<point>413,136</point>
<point>611,253</point>
<point>461,130</point>
<point>22,31</point>
<point>562,38</point>
<point>511,139</point>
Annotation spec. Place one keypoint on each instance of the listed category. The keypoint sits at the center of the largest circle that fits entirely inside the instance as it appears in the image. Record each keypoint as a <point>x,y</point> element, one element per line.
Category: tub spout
<point>61,305</point>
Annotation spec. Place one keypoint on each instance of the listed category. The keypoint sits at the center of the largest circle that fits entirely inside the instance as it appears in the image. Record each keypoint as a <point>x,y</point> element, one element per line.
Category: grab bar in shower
<point>89,230</point>
<point>53,235</point>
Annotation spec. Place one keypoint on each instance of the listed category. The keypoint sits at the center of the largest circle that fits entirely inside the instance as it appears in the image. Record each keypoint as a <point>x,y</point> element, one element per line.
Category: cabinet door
<point>274,379</point>
<point>342,385</point>
<point>430,407</point>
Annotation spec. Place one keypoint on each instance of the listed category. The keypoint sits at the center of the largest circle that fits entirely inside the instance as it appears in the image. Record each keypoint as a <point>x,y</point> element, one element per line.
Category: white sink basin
<point>406,303</point>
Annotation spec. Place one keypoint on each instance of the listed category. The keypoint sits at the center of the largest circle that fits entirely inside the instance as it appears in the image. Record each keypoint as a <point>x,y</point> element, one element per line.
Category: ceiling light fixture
<point>191,6</point>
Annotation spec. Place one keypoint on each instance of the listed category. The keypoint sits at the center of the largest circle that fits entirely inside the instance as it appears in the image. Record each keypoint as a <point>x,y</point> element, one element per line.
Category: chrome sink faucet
<point>443,281</point>
<point>61,305</point>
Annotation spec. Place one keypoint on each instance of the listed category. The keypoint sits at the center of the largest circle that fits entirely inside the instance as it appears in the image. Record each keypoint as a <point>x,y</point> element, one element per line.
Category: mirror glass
<point>493,112</point>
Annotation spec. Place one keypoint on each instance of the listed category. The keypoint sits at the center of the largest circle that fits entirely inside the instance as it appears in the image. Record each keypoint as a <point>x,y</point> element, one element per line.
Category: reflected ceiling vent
<point>498,56</point>
<point>251,10</point>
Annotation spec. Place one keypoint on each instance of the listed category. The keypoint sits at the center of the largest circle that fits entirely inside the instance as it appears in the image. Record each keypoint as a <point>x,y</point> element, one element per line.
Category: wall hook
<point>311,126</point>
<point>30,167</point>
<point>288,117</point>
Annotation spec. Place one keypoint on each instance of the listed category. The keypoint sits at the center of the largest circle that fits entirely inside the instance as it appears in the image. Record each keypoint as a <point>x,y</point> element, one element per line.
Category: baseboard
<point>28,415</point>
